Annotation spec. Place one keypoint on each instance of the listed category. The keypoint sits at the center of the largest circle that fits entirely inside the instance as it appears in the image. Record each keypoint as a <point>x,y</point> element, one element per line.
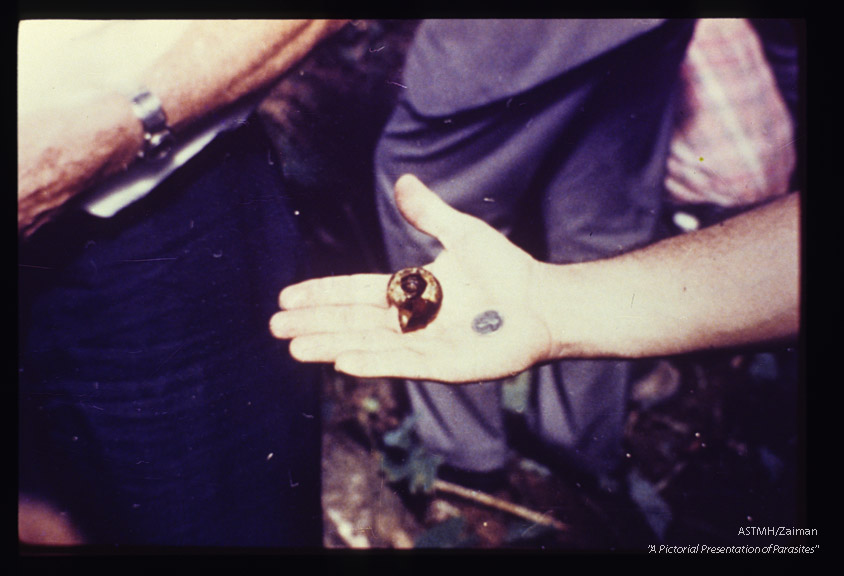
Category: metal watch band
<point>158,140</point>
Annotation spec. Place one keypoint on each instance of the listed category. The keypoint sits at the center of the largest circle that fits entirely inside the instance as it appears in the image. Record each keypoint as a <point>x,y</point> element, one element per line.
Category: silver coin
<point>487,322</point>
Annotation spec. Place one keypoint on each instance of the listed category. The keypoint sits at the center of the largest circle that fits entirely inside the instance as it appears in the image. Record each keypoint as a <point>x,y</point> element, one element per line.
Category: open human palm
<point>347,321</point>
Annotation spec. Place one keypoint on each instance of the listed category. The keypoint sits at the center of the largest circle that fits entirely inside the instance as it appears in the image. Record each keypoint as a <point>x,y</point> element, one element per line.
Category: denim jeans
<point>155,407</point>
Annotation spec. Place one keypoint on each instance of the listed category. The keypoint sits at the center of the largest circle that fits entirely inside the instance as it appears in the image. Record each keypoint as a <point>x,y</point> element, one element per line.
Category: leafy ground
<point>712,446</point>
<point>714,441</point>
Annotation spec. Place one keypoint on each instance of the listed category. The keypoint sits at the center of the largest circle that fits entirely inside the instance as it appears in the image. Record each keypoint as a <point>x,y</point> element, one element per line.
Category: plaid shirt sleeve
<point>733,141</point>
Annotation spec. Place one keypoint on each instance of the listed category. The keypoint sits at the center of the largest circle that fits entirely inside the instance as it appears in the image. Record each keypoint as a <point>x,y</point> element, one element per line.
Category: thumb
<point>429,213</point>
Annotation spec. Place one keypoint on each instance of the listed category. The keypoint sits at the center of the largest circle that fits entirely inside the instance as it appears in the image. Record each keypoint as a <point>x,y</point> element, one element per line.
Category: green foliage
<point>516,391</point>
<point>450,533</point>
<point>653,507</point>
<point>406,459</point>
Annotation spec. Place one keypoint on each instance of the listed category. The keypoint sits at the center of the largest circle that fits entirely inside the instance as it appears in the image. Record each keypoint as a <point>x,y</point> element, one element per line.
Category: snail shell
<point>417,295</point>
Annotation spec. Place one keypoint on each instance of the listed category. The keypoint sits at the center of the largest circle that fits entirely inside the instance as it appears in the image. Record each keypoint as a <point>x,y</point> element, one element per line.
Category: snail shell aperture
<point>417,295</point>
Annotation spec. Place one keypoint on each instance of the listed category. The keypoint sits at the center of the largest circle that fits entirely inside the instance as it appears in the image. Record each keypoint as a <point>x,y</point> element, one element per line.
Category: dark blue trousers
<point>155,407</point>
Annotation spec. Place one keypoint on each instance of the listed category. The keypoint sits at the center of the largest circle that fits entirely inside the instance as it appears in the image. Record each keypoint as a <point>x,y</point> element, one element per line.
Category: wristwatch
<point>158,140</point>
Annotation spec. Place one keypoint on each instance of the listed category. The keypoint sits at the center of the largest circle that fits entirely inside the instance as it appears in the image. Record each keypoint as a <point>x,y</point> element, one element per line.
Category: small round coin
<point>487,322</point>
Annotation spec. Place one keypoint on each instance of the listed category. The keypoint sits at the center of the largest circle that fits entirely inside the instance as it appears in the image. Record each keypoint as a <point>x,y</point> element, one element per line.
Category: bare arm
<point>732,284</point>
<point>75,122</point>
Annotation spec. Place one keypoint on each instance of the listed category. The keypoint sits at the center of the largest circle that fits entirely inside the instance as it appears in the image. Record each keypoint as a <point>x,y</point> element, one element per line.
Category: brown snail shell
<point>417,295</point>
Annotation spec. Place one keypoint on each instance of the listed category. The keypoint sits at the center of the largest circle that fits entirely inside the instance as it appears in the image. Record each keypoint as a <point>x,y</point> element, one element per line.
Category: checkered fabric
<point>733,143</point>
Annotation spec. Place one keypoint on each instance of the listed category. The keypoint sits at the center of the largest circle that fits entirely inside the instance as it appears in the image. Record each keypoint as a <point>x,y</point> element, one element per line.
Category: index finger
<point>336,290</point>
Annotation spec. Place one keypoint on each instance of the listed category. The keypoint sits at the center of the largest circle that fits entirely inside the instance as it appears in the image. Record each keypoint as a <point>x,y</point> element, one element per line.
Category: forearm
<point>63,152</point>
<point>731,284</point>
<point>225,60</point>
<point>75,137</point>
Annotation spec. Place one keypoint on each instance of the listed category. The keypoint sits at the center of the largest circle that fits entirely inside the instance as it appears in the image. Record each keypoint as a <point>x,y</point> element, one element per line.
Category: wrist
<point>588,310</point>
<point>158,140</point>
<point>561,303</point>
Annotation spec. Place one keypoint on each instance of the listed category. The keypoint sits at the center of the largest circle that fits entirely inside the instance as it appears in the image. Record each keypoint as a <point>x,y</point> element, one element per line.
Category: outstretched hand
<point>347,321</point>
